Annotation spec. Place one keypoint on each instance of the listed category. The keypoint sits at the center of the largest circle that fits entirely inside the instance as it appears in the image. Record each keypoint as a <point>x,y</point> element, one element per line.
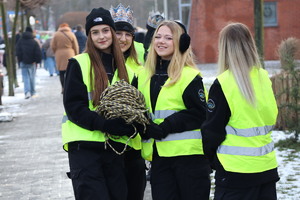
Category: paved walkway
<point>32,161</point>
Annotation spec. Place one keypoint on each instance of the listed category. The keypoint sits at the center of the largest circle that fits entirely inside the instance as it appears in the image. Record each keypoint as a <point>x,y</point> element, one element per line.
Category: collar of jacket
<point>162,66</point>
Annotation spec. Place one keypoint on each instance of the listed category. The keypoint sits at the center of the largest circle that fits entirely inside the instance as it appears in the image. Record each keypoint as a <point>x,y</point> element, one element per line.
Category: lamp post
<point>166,9</point>
<point>155,5</point>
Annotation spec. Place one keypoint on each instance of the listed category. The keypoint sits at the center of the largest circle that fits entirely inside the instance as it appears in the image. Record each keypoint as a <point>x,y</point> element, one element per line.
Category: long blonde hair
<point>178,60</point>
<point>238,54</point>
<point>98,76</point>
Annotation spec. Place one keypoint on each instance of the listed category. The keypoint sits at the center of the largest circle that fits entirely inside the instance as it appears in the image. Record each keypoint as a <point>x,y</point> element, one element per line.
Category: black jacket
<point>75,97</point>
<point>28,50</point>
<point>194,115</point>
<point>214,133</point>
<point>81,38</point>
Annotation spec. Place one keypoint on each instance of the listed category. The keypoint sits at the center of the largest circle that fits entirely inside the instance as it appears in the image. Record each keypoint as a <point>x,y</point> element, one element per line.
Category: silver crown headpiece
<point>154,19</point>
<point>120,13</point>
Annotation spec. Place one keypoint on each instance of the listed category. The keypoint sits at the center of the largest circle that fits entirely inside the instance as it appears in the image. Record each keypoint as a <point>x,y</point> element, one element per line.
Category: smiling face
<point>102,37</point>
<point>163,43</point>
<point>125,40</point>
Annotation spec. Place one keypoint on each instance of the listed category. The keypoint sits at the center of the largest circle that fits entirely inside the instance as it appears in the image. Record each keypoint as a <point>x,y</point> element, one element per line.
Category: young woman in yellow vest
<point>134,163</point>
<point>175,96</point>
<point>241,114</point>
<point>97,172</point>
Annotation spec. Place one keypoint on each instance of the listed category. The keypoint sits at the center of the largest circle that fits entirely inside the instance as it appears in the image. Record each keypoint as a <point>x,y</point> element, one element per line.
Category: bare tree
<point>259,28</point>
<point>9,46</point>
<point>10,42</point>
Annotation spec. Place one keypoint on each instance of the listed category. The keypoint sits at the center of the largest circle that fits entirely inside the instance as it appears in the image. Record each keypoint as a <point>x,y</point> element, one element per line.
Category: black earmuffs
<point>184,40</point>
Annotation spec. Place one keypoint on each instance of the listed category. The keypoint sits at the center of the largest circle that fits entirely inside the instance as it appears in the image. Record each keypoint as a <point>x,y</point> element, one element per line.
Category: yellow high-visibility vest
<point>170,101</point>
<point>72,132</point>
<point>248,147</point>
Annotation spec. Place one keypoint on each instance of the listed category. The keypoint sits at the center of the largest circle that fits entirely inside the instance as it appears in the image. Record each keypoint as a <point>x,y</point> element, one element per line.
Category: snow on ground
<point>288,188</point>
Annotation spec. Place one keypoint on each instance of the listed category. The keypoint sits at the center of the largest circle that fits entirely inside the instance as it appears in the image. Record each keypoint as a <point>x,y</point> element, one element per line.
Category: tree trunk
<point>259,28</point>
<point>27,17</point>
<point>13,42</point>
<point>7,50</point>
<point>22,20</point>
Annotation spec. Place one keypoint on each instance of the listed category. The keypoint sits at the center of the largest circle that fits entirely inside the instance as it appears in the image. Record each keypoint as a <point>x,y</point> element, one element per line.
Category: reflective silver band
<point>90,95</point>
<point>64,119</point>
<point>161,114</point>
<point>182,136</point>
<point>249,132</point>
<point>246,151</point>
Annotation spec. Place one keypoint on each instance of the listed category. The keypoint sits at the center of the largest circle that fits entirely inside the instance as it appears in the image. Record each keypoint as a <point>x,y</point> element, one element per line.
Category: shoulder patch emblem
<point>210,105</point>
<point>201,95</point>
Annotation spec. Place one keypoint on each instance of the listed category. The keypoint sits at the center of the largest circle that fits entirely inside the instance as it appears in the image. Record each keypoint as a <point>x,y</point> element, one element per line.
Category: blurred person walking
<point>81,37</point>
<point>29,54</point>
<point>64,45</point>
<point>49,61</point>
<point>241,113</point>
<point>153,21</point>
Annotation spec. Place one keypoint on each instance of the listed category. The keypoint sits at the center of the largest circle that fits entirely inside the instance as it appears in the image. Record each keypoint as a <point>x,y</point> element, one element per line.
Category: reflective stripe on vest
<point>169,101</point>
<point>249,132</point>
<point>248,147</point>
<point>246,151</point>
<point>161,114</point>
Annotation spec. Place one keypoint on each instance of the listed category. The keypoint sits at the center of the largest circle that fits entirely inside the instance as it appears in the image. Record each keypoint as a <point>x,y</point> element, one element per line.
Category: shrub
<point>286,87</point>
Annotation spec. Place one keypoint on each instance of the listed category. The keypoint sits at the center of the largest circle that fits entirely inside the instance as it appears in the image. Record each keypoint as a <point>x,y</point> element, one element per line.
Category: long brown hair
<point>98,76</point>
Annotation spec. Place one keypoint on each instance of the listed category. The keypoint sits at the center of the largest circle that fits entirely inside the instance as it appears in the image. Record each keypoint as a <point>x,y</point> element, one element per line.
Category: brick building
<point>208,17</point>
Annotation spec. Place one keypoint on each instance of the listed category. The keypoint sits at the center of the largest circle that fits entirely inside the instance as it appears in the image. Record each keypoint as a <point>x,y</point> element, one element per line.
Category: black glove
<point>140,128</point>
<point>118,127</point>
<point>155,131</point>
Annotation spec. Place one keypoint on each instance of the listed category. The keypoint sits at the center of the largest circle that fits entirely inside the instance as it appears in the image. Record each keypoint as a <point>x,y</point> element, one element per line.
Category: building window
<point>184,12</point>
<point>270,14</point>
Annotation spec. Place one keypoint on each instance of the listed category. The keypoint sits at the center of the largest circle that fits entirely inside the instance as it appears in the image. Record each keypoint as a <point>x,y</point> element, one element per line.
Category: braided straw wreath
<point>123,100</point>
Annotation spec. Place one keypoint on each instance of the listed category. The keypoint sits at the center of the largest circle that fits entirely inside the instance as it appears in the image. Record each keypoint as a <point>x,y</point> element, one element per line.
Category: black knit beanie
<point>98,16</point>
<point>124,26</point>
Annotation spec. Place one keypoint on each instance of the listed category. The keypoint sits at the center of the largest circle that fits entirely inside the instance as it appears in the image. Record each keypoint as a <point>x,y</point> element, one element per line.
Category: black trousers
<point>180,178</point>
<point>265,191</point>
<point>135,168</point>
<point>96,174</point>
<point>62,78</point>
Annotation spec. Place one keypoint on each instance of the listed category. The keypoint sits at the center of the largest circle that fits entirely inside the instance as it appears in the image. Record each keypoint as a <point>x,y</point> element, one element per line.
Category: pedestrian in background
<point>175,96</point>
<point>49,61</point>
<point>29,54</point>
<point>2,51</point>
<point>241,113</point>
<point>81,37</point>
<point>134,163</point>
<point>64,45</point>
<point>97,172</point>
<point>153,21</point>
